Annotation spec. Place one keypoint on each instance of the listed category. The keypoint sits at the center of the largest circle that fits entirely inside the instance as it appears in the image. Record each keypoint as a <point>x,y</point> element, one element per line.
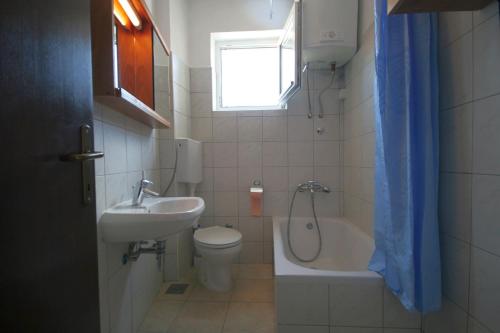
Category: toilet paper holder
<point>256,187</point>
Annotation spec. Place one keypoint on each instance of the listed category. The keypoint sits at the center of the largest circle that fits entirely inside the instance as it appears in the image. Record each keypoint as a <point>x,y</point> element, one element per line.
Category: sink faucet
<point>141,190</point>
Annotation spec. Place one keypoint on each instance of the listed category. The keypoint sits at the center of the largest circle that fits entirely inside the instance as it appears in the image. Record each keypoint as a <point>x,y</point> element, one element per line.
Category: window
<point>246,70</point>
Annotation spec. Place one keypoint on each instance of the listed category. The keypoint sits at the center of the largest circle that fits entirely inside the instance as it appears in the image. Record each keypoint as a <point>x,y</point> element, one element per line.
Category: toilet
<point>218,247</point>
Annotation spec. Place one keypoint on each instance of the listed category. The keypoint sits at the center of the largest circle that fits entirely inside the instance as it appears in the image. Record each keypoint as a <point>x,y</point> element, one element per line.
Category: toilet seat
<point>217,237</point>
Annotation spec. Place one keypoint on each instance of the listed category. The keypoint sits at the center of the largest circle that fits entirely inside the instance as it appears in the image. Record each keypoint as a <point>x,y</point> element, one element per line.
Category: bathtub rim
<point>285,269</point>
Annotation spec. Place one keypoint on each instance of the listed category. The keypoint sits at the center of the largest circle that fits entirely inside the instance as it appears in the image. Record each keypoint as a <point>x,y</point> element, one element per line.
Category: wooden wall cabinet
<point>418,6</point>
<point>131,67</point>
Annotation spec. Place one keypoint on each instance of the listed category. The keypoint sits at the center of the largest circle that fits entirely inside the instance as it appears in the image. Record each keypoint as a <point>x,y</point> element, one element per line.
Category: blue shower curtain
<point>407,163</point>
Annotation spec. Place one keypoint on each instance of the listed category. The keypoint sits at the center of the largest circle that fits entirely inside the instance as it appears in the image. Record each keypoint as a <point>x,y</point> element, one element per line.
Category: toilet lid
<point>217,236</point>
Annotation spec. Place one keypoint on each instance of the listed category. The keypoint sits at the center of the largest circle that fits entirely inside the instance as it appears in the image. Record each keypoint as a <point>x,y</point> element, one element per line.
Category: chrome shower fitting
<point>313,187</point>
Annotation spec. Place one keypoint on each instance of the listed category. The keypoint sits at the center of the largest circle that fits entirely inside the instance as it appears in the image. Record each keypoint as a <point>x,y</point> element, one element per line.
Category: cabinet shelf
<point>124,102</point>
<point>419,6</point>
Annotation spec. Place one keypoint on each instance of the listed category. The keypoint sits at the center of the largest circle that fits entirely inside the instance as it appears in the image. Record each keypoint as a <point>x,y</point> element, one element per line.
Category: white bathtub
<point>337,289</point>
<point>345,253</point>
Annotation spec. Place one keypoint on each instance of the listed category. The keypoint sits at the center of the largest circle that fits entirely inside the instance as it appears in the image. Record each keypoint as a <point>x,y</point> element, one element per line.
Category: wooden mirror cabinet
<point>131,62</point>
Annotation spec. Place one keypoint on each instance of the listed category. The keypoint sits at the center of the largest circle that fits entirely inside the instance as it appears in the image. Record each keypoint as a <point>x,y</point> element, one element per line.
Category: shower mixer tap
<point>313,186</point>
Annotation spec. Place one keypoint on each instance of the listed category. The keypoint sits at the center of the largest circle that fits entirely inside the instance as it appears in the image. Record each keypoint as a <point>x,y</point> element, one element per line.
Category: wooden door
<point>48,276</point>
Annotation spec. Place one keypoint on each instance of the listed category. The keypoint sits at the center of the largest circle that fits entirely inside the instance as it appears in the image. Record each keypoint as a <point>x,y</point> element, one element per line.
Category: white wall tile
<point>275,203</point>
<point>225,179</point>
<point>327,153</point>
<point>302,329</point>
<point>485,288</point>
<point>329,127</point>
<point>486,125</point>
<point>274,129</point>
<point>456,73</point>
<point>476,327</point>
<point>275,179</point>
<point>99,146</point>
<point>201,80</point>
<point>249,154</point>
<point>300,128</point>
<point>486,212</point>
<point>302,304</point>
<point>114,149</point>
<point>252,253</point>
<point>134,152</point>
<point>120,301</point>
<point>355,330</point>
<point>201,129</point>
<point>117,189</point>
<point>453,25</point>
<point>150,153</point>
<point>225,204</point>
<point>486,54</point>
<point>455,256</point>
<point>299,175</point>
<point>201,104</point>
<point>300,154</point>
<point>455,205</point>
<point>275,154</point>
<point>251,229</point>
<point>167,154</point>
<point>249,129</point>
<point>450,319</point>
<point>225,155</point>
<point>225,129</point>
<point>356,305</point>
<point>480,16</point>
<point>247,176</point>
<point>395,315</point>
<point>456,139</point>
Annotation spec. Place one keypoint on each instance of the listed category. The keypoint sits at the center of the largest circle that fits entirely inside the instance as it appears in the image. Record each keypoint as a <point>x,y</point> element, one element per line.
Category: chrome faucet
<point>141,190</point>
<point>312,186</point>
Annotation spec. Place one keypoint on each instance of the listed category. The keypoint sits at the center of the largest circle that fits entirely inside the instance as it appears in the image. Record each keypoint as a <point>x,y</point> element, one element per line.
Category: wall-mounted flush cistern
<point>189,163</point>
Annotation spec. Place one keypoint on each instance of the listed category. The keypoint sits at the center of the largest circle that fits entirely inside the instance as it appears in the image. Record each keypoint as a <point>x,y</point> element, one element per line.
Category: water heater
<point>329,30</point>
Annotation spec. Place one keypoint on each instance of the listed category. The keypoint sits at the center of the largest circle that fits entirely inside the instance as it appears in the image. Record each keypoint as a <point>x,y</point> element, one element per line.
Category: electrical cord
<point>164,194</point>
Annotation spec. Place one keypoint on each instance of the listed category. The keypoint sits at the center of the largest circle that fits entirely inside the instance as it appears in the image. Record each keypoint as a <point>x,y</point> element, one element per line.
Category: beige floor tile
<point>250,318</point>
<point>258,290</point>
<point>255,271</point>
<point>160,316</point>
<point>200,294</point>
<point>200,317</point>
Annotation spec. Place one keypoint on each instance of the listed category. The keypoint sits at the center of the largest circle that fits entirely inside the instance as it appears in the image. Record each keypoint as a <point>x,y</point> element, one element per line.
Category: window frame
<point>240,40</point>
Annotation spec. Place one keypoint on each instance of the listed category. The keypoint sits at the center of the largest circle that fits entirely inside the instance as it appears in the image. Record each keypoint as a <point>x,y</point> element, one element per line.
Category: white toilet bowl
<point>218,247</point>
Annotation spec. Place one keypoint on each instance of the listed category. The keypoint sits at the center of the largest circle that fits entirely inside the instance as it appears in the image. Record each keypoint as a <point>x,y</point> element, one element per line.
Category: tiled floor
<point>248,308</point>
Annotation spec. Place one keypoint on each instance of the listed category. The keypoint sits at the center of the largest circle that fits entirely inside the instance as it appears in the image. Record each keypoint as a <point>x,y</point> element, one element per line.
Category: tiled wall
<point>470,172</point>
<point>470,165</point>
<point>279,148</point>
<point>359,136</point>
<point>126,291</point>
<point>129,147</point>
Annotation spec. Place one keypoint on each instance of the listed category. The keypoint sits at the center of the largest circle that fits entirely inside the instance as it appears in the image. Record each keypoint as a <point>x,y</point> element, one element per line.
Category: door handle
<point>78,157</point>
<point>85,156</point>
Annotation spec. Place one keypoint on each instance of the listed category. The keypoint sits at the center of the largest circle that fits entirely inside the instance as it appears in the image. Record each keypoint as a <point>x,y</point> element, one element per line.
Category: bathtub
<point>337,289</point>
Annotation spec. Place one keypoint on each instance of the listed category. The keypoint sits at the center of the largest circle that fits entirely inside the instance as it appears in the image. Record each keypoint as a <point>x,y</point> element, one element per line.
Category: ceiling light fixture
<point>131,13</point>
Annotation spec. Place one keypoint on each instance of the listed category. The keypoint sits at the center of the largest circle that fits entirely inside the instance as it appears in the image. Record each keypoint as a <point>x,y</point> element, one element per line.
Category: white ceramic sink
<point>155,219</point>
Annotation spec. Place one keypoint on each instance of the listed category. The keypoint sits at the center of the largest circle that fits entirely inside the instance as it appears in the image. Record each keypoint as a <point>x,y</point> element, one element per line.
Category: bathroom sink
<point>155,219</point>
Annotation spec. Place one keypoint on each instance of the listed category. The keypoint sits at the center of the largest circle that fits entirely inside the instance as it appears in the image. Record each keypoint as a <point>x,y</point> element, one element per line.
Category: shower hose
<point>320,241</point>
